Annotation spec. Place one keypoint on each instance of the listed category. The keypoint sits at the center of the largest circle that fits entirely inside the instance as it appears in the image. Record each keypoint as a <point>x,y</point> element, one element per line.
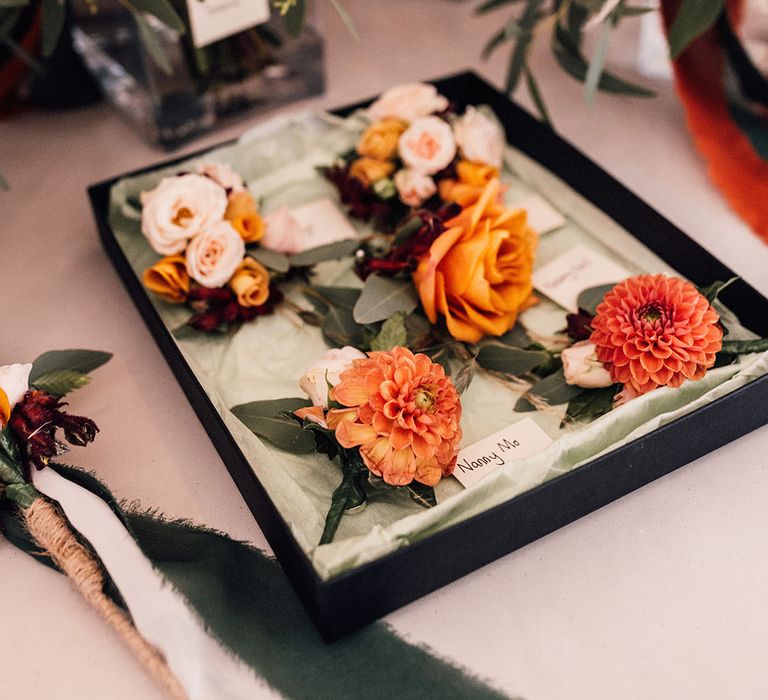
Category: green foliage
<point>266,419</point>
<point>392,333</point>
<point>590,404</point>
<point>589,299</point>
<point>713,290</point>
<point>80,361</point>
<point>331,251</point>
<point>54,12</point>
<point>499,357</point>
<point>383,297</point>
<point>422,494</point>
<point>61,382</point>
<point>693,18</point>
<point>271,259</point>
<point>552,389</point>
<point>348,494</point>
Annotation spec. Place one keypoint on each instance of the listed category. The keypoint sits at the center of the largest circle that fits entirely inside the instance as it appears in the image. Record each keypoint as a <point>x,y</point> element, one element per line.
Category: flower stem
<point>347,494</point>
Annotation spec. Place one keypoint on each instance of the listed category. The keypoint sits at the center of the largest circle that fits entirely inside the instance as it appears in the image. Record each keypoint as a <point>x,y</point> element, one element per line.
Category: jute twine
<point>53,533</point>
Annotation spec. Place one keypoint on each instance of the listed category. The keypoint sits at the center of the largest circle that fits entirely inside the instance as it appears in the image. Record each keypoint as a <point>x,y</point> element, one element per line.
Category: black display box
<point>348,601</point>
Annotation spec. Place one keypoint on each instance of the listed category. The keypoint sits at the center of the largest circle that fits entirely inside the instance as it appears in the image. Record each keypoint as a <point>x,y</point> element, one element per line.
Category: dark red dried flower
<point>405,256</point>
<point>218,307</point>
<point>579,325</point>
<point>361,201</point>
<point>34,422</point>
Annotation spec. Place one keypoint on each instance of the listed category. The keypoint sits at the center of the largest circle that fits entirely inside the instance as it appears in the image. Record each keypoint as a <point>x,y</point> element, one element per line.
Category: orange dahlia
<point>653,330</point>
<point>403,412</point>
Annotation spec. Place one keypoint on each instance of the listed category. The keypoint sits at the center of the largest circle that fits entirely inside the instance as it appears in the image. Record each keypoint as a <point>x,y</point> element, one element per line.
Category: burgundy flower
<point>34,422</point>
<point>579,325</point>
<point>218,307</point>
<point>361,201</point>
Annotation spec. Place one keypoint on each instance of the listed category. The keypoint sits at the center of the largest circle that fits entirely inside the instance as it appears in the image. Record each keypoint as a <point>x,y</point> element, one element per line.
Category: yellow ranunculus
<point>244,216</point>
<point>477,274</point>
<point>369,170</point>
<point>379,140</point>
<point>251,283</point>
<point>169,279</point>
<point>471,179</point>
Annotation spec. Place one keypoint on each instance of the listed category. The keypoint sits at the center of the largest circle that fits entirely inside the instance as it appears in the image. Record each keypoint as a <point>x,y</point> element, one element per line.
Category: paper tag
<point>542,216</point>
<point>323,222</point>
<point>477,461</point>
<point>212,20</point>
<point>579,268</point>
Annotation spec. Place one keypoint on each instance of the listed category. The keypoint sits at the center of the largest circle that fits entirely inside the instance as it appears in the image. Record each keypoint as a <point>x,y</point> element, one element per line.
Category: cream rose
<point>414,187</point>
<point>479,137</point>
<point>283,232</point>
<point>407,102</point>
<point>214,255</point>
<point>14,383</point>
<point>178,209</point>
<point>428,145</point>
<point>582,368</point>
<point>327,370</point>
<point>223,174</point>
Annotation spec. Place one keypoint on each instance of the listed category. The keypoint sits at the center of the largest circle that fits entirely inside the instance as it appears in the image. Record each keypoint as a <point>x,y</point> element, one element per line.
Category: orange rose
<point>379,140</point>
<point>369,170</point>
<point>251,283</point>
<point>169,279</point>
<point>477,274</point>
<point>470,183</point>
<point>244,216</point>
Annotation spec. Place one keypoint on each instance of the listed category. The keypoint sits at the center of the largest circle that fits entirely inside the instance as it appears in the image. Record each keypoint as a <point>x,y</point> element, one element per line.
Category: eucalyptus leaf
<point>294,17</point>
<point>54,12</point>
<point>271,259</point>
<point>423,495</point>
<point>418,331</point>
<point>589,299</point>
<point>340,328</point>
<point>597,62</point>
<point>342,297</point>
<point>83,361</point>
<point>62,381</point>
<point>693,18</point>
<point>713,290</point>
<point>163,10</point>
<point>517,337</point>
<point>408,229</point>
<point>263,419</point>
<point>490,5</point>
<point>510,360</point>
<point>590,404</point>
<point>185,332</point>
<point>497,40</point>
<point>383,297</point>
<point>631,11</point>
<point>331,251</point>
<point>743,347</point>
<point>537,97</point>
<point>552,389</point>
<point>153,44</point>
<point>392,333</point>
<point>569,56</point>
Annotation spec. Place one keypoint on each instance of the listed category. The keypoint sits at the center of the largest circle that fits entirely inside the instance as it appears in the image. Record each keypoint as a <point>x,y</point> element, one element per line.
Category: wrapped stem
<point>53,533</point>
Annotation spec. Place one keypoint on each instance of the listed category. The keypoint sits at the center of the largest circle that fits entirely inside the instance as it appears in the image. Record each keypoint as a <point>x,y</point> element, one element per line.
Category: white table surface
<point>658,595</point>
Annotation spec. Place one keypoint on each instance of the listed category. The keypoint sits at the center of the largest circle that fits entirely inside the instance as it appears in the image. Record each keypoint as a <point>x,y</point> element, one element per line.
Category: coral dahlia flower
<point>403,412</point>
<point>653,331</point>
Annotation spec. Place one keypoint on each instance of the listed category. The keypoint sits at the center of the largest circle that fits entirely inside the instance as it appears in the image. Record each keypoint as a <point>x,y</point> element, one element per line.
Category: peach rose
<point>244,216</point>
<point>178,209</point>
<point>480,137</point>
<point>407,102</point>
<point>250,283</point>
<point>582,368</point>
<point>168,278</point>
<point>427,145</point>
<point>370,170</point>
<point>214,255</point>
<point>414,187</point>
<point>14,383</point>
<point>223,174</point>
<point>477,273</point>
<point>379,140</point>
